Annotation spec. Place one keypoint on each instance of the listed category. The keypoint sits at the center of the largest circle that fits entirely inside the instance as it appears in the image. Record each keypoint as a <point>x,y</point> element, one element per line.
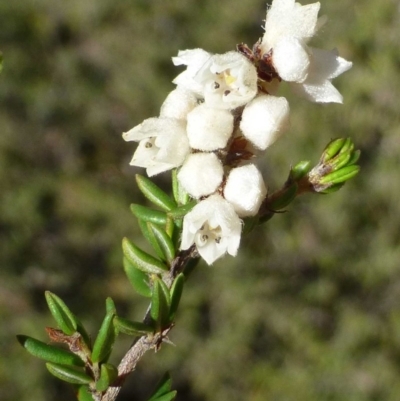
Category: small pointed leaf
<point>176,293</point>
<point>137,278</point>
<point>160,303</point>
<point>105,339</point>
<point>147,214</point>
<point>108,374</point>
<point>341,175</point>
<point>164,241</point>
<point>154,194</point>
<point>181,211</point>
<point>151,239</point>
<point>132,328</point>
<point>68,373</point>
<point>61,313</point>
<point>300,170</point>
<point>142,260</point>
<point>48,352</point>
<point>333,148</point>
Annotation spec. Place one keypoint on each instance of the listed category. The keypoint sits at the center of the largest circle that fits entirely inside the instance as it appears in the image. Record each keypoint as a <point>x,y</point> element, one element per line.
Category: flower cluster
<point>223,112</point>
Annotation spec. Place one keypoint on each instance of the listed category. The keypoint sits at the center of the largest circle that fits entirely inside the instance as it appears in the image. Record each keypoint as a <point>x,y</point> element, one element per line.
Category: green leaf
<point>355,156</point>
<point>48,352</point>
<point>176,293</point>
<point>160,303</point>
<point>333,148</point>
<point>164,242</point>
<point>142,260</point>
<point>285,198</point>
<point>84,394</point>
<point>105,339</point>
<point>110,306</point>
<point>132,328</point>
<point>137,278</point>
<point>151,239</point>
<point>181,211</point>
<point>166,397</point>
<point>155,194</point>
<point>108,374</point>
<point>62,315</point>
<point>163,387</point>
<point>68,373</point>
<point>146,214</point>
<point>341,175</point>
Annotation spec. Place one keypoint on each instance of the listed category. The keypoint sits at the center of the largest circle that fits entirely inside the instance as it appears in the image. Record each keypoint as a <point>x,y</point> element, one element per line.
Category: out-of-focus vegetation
<point>309,310</point>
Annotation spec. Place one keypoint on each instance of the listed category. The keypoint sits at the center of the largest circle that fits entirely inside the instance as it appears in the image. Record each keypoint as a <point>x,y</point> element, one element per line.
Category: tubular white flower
<point>264,119</point>
<point>286,18</point>
<point>245,190</point>
<point>194,59</point>
<point>163,144</point>
<point>214,227</point>
<point>229,80</point>
<point>201,174</point>
<point>209,129</point>
<point>325,66</point>
<point>178,104</point>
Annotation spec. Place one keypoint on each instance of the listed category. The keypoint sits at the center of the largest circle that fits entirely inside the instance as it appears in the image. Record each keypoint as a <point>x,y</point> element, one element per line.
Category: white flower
<point>229,80</point>
<point>209,129</point>
<point>214,227</point>
<point>201,174</point>
<point>178,104</point>
<point>288,28</point>
<point>245,190</point>
<point>163,144</point>
<point>194,60</point>
<point>325,66</point>
<point>288,19</point>
<point>264,119</point>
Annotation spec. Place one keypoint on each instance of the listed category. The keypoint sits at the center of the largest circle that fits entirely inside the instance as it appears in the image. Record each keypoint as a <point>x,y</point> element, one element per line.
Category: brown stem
<point>150,341</point>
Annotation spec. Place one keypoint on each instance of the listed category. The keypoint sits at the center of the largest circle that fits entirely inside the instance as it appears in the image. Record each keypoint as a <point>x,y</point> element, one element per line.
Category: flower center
<point>207,234</point>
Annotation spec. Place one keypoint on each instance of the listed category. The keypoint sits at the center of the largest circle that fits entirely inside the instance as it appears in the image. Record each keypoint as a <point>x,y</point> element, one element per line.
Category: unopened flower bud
<point>201,174</point>
<point>264,119</point>
<point>209,129</point>
<point>245,190</point>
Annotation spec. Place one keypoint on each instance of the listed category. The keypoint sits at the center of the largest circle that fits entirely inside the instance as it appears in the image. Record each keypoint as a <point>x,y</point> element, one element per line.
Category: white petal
<point>245,190</point>
<point>194,59</point>
<point>178,104</point>
<point>264,119</point>
<point>201,174</point>
<point>325,65</point>
<point>214,227</point>
<point>291,59</point>
<point>209,129</point>
<point>322,92</point>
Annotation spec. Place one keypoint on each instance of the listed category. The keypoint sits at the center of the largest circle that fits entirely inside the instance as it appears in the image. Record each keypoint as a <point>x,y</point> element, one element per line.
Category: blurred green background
<point>309,310</point>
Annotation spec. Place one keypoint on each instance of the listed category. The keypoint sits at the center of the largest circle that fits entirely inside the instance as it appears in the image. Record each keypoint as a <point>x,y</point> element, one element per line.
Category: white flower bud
<point>209,129</point>
<point>245,190</point>
<point>291,60</point>
<point>201,174</point>
<point>178,104</point>
<point>264,119</point>
<point>163,144</point>
<point>214,227</point>
<point>229,80</point>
